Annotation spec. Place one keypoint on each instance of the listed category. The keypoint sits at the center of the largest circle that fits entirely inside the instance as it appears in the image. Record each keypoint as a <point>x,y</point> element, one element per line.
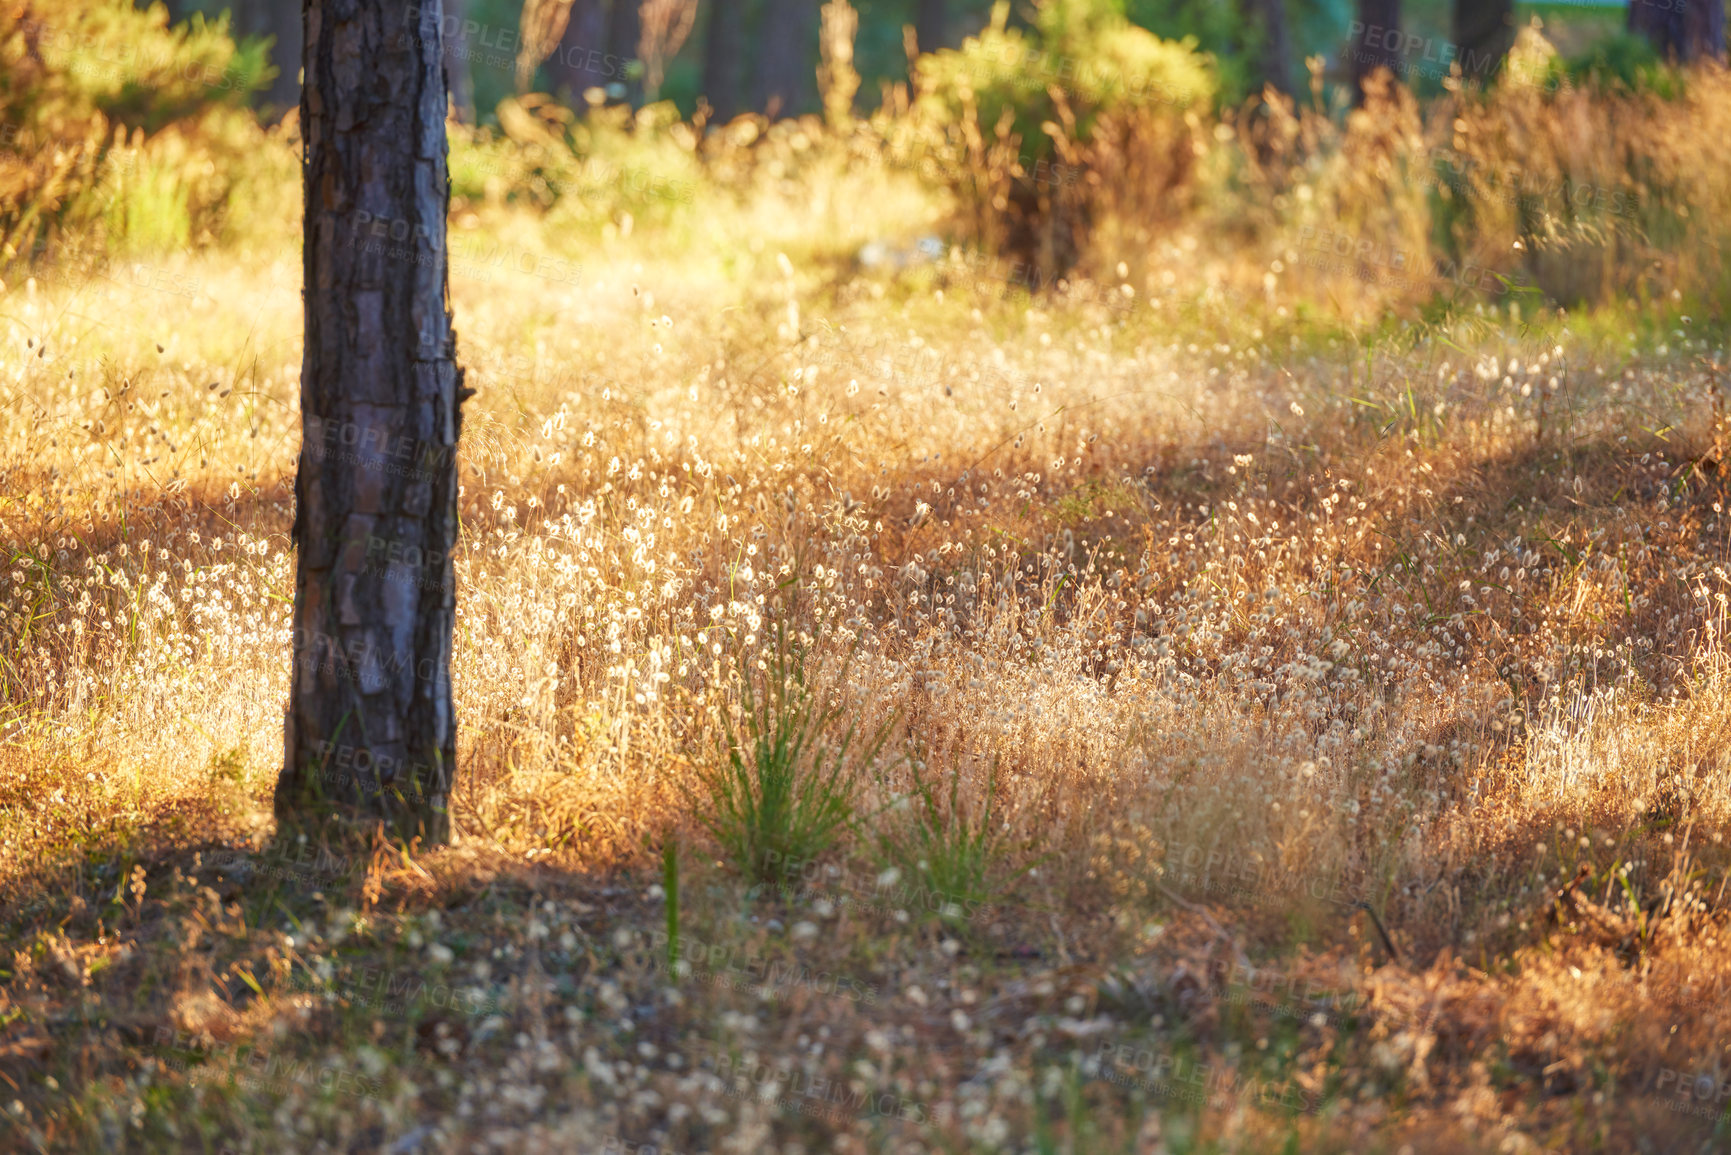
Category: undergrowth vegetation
<point>1221,701</point>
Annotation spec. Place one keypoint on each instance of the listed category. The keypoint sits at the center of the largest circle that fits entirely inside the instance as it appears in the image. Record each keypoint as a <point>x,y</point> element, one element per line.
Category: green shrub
<point>1028,127</point>
<point>783,787</point>
<point>943,851</point>
<point>119,133</point>
<point>1624,64</point>
<point>583,173</point>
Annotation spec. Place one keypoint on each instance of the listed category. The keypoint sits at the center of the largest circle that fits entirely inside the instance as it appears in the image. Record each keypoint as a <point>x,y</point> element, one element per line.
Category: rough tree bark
<point>785,80</point>
<point>1483,31</point>
<point>370,723</point>
<point>723,52</point>
<point>1376,39</point>
<point>1682,30</point>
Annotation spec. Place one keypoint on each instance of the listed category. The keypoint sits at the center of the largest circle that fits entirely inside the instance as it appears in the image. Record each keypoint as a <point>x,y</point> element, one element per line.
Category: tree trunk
<point>1484,31</point>
<point>624,30</point>
<point>1376,40</point>
<point>580,62</point>
<point>1682,30</point>
<point>1274,64</point>
<point>723,50</point>
<point>370,724</point>
<point>459,75</point>
<point>932,25</point>
<point>786,66</point>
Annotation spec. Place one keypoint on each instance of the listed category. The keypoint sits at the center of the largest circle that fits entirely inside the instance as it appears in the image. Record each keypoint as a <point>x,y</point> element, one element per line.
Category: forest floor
<point>1296,737</point>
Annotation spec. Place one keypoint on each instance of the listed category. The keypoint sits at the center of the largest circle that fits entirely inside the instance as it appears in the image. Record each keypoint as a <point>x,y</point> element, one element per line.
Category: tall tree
<point>370,723</point>
<point>579,63</point>
<point>723,52</point>
<point>1376,39</point>
<point>932,24</point>
<point>665,25</point>
<point>1274,61</point>
<point>786,64</point>
<point>279,20</point>
<point>459,73</point>
<point>282,24</point>
<point>624,30</point>
<point>1682,30</point>
<point>1483,31</point>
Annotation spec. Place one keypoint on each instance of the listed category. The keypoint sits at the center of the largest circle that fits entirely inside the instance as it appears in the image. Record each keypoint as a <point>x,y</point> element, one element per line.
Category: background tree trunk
<point>932,25</point>
<point>1483,32</point>
<point>1370,49</point>
<point>786,64</point>
<point>1274,61</point>
<point>624,30</point>
<point>459,76</point>
<point>579,62</point>
<point>1682,30</point>
<point>278,19</point>
<point>282,22</point>
<point>723,49</point>
<point>370,722</point>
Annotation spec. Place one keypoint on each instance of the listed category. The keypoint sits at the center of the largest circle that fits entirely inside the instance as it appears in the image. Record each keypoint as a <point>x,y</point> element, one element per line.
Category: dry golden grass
<point>1269,635</point>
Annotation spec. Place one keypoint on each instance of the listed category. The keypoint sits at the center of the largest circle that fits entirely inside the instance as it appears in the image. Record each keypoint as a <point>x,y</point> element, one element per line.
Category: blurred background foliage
<point>1119,142</point>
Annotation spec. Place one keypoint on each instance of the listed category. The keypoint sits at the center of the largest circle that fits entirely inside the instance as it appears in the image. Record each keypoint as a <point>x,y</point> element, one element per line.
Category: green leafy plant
<point>783,788</point>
